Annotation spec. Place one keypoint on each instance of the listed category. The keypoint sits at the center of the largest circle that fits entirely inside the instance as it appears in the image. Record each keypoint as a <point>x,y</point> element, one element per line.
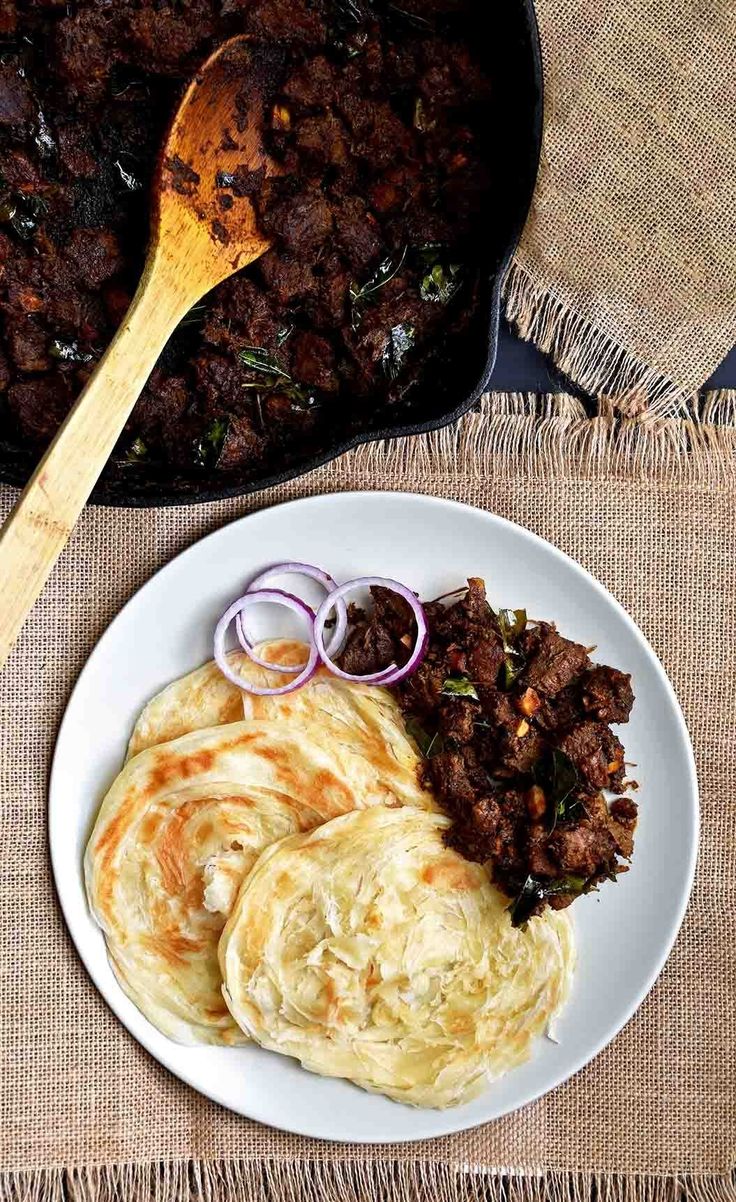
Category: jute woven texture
<point>627,268</point>
<point>85,1113</point>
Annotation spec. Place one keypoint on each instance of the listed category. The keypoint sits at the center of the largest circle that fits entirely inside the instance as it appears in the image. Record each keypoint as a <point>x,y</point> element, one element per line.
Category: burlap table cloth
<point>626,272</point>
<point>86,1114</point>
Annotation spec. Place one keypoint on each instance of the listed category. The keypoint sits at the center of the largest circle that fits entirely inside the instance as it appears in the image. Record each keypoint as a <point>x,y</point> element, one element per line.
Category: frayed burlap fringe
<point>595,361</point>
<point>545,435</point>
<point>350,1181</point>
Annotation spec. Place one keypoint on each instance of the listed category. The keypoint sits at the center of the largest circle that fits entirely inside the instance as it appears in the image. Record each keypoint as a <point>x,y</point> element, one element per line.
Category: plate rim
<point>677,915</point>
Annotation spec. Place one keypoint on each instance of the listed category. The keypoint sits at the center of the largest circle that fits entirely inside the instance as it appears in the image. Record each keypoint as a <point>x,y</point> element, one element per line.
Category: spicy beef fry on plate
<point>377,114</point>
<point>515,724</point>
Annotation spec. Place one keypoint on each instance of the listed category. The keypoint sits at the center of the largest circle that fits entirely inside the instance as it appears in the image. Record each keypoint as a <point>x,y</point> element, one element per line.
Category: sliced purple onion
<point>272,596</point>
<point>393,674</point>
<point>337,636</point>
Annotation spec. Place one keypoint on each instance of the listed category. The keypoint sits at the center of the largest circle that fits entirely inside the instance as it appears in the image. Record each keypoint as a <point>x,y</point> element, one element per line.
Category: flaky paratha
<point>365,718</point>
<point>180,828</point>
<point>370,950</point>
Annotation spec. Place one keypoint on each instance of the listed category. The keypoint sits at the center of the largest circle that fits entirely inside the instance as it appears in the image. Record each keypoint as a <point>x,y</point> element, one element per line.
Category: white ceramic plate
<point>624,933</point>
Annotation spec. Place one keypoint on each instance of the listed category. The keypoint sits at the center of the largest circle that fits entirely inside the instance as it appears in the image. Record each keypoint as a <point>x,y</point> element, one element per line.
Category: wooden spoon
<point>196,242</point>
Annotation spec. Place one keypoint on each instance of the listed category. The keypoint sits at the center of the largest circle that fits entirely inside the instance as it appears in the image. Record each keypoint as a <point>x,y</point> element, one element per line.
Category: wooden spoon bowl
<point>203,229</point>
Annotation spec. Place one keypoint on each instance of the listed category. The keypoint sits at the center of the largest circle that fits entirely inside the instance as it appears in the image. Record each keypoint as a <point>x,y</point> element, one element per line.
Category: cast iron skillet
<point>458,379</point>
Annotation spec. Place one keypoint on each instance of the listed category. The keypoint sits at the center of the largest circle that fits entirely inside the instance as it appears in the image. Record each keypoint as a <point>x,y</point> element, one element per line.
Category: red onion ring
<point>300,569</point>
<point>274,596</point>
<point>393,674</point>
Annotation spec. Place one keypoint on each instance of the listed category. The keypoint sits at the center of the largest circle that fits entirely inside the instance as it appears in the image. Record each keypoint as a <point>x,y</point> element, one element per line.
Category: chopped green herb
<point>259,359</point>
<point>459,686</point>
<point>534,891</point>
<point>131,181</point>
<point>283,334</point>
<point>21,212</point>
<point>422,121</point>
<point>363,295</point>
<point>43,137</point>
<point>67,351</point>
<point>208,448</point>
<point>410,18</point>
<point>195,316</point>
<point>511,623</point>
<point>557,775</point>
<point>400,342</point>
<point>441,283</point>
<point>136,451</point>
<point>429,745</point>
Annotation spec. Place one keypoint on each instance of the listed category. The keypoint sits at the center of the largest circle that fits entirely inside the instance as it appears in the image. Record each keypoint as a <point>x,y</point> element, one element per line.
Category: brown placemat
<point>626,272</point>
<point>85,1113</point>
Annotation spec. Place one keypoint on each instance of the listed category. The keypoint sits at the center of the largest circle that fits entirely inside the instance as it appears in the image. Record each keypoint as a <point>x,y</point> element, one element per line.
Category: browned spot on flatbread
<point>449,872</point>
<point>172,767</point>
<point>173,947</point>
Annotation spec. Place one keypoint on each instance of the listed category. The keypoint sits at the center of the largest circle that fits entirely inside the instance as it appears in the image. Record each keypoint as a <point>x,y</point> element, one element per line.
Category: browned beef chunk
<point>519,754</point>
<point>28,345</point>
<point>553,662</point>
<point>85,51</point>
<point>625,811</point>
<point>582,850</point>
<point>560,711</point>
<point>167,39</point>
<point>242,445</point>
<point>475,835</point>
<point>313,361</point>
<point>368,649</point>
<point>322,141</point>
<point>595,752</point>
<point>220,379</point>
<point>8,17</point>
<point>39,406</point>
<point>607,694</point>
<point>20,173</point>
<point>301,222</point>
<point>457,719</point>
<point>312,84</point>
<point>393,611</point>
<point>163,403</point>
<point>249,312</point>
<point>357,231</point>
<point>297,21</point>
<point>485,660</point>
<point>452,776</point>
<point>16,98</point>
<point>4,371</point>
<point>95,256</point>
<point>421,691</point>
<point>289,279</point>
<point>76,151</point>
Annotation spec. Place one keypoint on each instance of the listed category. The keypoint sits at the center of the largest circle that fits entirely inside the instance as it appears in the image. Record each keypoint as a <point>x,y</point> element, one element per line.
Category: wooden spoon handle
<point>41,522</point>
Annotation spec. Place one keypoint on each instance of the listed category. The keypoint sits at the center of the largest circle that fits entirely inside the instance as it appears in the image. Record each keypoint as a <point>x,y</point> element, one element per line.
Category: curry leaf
<point>137,451</point>
<point>400,342</point>
<point>422,120</point>
<point>511,623</point>
<point>284,333</point>
<point>259,359</point>
<point>459,686</point>
<point>440,283</point>
<point>207,449</point>
<point>361,295</point>
<point>557,775</point>
<point>67,351</point>
<point>429,744</point>
<point>535,891</point>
